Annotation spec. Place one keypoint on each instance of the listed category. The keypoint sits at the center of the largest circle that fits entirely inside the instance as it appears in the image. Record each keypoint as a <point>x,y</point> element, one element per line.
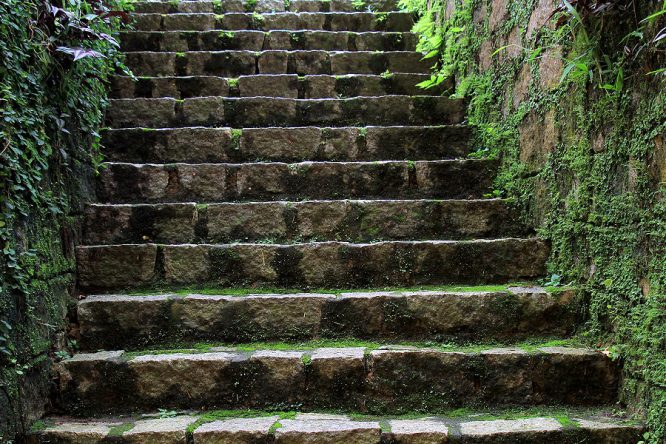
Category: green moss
<point>244,291</point>
<point>532,346</point>
<point>39,425</point>
<point>217,415</point>
<point>567,422</point>
<point>274,428</point>
<point>118,430</point>
<point>236,136</point>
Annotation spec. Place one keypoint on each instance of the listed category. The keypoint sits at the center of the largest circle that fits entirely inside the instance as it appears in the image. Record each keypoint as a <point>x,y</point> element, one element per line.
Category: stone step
<point>243,63</point>
<point>311,265</point>
<point>262,6</point>
<point>588,426</point>
<point>243,112</point>
<point>259,40</point>
<point>290,21</point>
<point>109,322</point>
<point>220,182</point>
<point>389,380</point>
<point>274,85</point>
<point>343,220</point>
<point>171,145</point>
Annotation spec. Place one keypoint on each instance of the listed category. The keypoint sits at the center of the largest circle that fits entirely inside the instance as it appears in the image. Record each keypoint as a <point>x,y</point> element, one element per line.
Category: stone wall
<point>583,157</point>
<point>50,114</point>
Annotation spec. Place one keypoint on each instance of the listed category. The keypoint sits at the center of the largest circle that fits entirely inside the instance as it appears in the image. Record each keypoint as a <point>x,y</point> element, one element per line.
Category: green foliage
<point>359,5</point>
<point>596,194</point>
<point>52,96</point>
<point>592,57</point>
<point>449,42</point>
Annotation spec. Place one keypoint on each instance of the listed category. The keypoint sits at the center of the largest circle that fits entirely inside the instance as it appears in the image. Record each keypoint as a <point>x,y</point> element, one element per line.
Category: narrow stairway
<point>287,224</point>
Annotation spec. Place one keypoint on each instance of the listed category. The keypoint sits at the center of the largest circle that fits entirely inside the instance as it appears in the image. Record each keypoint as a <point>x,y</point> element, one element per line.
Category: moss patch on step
<point>245,291</point>
<point>530,346</point>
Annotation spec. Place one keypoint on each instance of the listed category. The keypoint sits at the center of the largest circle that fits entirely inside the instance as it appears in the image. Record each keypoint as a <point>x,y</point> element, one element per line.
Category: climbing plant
<point>56,59</point>
<point>570,97</point>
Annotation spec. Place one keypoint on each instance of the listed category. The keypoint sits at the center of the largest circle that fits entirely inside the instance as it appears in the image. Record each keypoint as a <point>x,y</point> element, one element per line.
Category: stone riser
<point>114,322</point>
<point>259,40</point>
<point>151,183</point>
<point>184,7</point>
<point>242,112</point>
<point>333,21</point>
<point>286,144</point>
<point>311,265</point>
<point>326,428</point>
<point>278,85</point>
<point>353,221</point>
<point>381,381</point>
<point>244,63</point>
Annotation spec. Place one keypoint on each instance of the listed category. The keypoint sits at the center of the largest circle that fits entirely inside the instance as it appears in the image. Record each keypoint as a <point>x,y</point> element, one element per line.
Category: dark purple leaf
<point>79,53</point>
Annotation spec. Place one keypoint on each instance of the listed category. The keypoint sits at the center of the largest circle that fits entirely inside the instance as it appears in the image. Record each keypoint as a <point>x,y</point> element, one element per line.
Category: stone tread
<point>388,380</point>
<point>225,182</point>
<point>319,86</point>
<point>120,321</point>
<point>330,429</point>
<point>311,265</point>
<point>296,21</point>
<point>345,220</point>
<point>199,144</point>
<point>261,6</point>
<point>242,112</point>
<point>131,41</point>
<point>234,63</point>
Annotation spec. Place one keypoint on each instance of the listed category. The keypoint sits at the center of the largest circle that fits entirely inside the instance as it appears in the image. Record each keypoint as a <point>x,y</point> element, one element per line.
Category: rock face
<point>333,429</point>
<point>287,145</point>
<point>113,321</point>
<point>313,265</point>
<point>383,381</point>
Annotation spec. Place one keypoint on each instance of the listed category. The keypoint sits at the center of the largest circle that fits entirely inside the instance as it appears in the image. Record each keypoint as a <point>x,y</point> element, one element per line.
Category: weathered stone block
<point>273,62</point>
<point>408,431</point>
<point>240,431</point>
<point>539,137</point>
<point>116,266</point>
<point>294,431</point>
<point>535,430</point>
<point>336,377</point>
<point>158,431</point>
<point>269,86</point>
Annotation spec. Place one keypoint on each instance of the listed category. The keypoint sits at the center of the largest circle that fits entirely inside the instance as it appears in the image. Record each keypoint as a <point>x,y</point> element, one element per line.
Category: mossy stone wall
<point>50,112</point>
<point>583,156</point>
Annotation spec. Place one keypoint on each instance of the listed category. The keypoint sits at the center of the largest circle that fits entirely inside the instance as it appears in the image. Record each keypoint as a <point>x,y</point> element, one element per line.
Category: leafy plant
<point>589,62</point>
<point>57,59</point>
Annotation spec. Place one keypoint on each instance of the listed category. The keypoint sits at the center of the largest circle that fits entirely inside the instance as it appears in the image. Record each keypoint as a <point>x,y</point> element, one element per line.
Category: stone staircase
<point>284,229</point>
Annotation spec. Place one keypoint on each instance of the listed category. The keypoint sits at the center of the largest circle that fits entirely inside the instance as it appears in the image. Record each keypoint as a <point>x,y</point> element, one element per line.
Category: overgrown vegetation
<point>571,97</point>
<point>56,58</point>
